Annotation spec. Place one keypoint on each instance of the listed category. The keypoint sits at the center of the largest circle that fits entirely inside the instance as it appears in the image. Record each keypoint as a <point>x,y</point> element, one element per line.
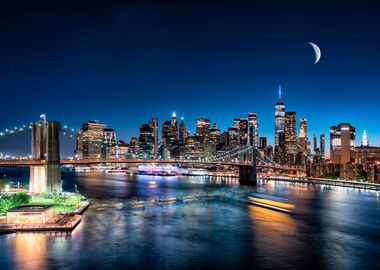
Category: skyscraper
<point>89,142</point>
<point>342,143</point>
<point>253,129</point>
<point>182,131</point>
<point>364,141</point>
<point>322,146</point>
<point>215,134</point>
<point>243,131</point>
<point>203,128</point>
<point>290,138</point>
<point>134,147</point>
<point>174,126</point>
<point>279,117</point>
<point>109,142</point>
<point>263,142</point>
<point>233,138</point>
<point>315,145</point>
<point>146,140</point>
<point>183,135</point>
<point>303,128</point>
<point>170,137</point>
<point>154,125</point>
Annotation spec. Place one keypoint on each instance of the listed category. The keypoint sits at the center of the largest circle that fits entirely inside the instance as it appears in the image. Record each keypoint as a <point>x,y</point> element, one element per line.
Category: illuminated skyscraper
<point>263,142</point>
<point>90,138</point>
<point>109,142</point>
<point>146,140</point>
<point>290,138</point>
<point>322,146</point>
<point>303,143</point>
<point>243,131</point>
<point>183,135</point>
<point>174,126</point>
<point>215,134</point>
<point>233,138</point>
<point>154,125</point>
<point>170,137</point>
<point>134,147</point>
<point>342,143</point>
<point>364,141</point>
<point>203,128</point>
<point>182,131</point>
<point>303,128</point>
<point>224,139</point>
<point>279,117</point>
<point>253,129</point>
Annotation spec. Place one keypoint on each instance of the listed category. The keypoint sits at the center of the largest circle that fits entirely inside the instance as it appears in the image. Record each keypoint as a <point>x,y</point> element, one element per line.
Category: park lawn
<point>58,207</point>
<point>62,204</point>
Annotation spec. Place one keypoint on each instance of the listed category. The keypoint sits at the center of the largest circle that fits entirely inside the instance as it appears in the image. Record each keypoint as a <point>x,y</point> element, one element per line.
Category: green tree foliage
<point>12,200</point>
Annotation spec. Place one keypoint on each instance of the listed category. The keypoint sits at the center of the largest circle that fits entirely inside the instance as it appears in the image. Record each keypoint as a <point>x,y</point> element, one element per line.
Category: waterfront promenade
<point>323,181</point>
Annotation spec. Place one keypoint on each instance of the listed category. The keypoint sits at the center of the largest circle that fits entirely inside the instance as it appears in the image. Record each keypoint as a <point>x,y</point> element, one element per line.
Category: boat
<point>137,203</point>
<point>196,172</point>
<point>158,170</point>
<point>169,199</point>
<point>186,198</point>
<point>117,171</point>
<point>271,202</point>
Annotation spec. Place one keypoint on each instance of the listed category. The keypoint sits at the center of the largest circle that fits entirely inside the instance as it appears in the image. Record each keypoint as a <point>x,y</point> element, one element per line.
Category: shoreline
<point>327,182</point>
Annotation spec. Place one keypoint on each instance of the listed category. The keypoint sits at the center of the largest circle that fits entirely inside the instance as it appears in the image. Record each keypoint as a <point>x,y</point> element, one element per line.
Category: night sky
<point>125,62</point>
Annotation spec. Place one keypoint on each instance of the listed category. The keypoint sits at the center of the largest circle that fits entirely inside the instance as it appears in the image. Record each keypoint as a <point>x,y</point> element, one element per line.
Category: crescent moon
<point>317,52</point>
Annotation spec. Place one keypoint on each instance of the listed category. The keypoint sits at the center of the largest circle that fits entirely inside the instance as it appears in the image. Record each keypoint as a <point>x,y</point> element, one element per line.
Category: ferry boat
<point>270,202</point>
<point>158,170</point>
<point>117,171</point>
<point>196,172</point>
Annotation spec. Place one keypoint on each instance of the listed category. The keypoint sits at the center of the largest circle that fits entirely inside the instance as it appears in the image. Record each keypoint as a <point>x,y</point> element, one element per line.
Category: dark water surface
<point>332,228</point>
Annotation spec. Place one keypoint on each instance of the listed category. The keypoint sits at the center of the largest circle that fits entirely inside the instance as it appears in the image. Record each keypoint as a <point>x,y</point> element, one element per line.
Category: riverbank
<point>322,181</point>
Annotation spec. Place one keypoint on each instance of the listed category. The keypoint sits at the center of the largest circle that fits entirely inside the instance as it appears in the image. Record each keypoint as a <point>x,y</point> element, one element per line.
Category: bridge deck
<point>29,162</point>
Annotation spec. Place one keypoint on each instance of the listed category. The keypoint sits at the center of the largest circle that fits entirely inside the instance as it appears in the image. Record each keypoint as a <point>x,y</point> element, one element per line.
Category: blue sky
<point>123,63</point>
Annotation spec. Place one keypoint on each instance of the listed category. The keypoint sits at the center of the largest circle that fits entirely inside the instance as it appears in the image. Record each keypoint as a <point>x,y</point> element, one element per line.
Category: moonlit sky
<point>128,61</point>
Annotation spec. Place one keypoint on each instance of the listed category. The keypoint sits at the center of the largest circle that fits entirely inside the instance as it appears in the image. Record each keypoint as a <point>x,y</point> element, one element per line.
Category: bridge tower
<point>45,147</point>
<point>247,174</point>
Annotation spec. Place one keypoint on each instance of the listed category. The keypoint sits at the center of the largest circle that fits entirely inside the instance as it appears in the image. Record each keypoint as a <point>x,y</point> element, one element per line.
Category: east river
<point>332,228</point>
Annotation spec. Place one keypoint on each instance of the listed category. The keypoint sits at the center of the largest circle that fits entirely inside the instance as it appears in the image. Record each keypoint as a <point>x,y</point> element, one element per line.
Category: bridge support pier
<point>45,146</point>
<point>247,173</point>
<point>45,179</point>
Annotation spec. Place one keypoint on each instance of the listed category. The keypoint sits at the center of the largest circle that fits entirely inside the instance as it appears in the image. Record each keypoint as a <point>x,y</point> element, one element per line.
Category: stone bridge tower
<point>45,147</point>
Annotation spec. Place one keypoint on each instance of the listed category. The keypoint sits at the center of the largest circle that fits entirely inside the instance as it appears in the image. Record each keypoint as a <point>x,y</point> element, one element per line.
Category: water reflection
<point>332,228</point>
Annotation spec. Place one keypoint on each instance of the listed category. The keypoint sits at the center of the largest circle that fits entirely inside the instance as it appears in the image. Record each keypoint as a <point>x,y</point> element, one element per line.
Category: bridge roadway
<point>31,162</point>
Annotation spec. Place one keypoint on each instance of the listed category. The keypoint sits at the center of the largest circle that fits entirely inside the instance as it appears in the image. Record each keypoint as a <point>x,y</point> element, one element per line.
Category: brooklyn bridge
<point>45,162</point>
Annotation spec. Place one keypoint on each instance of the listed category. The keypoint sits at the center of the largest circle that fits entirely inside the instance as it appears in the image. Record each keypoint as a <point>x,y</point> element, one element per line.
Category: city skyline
<point>69,142</point>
